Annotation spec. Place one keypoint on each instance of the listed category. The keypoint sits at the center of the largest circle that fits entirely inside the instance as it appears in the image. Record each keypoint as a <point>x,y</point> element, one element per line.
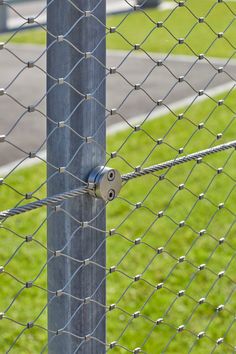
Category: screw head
<point>111,194</point>
<point>111,175</point>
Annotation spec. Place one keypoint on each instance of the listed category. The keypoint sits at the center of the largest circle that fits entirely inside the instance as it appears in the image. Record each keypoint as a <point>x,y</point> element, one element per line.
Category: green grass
<point>156,194</point>
<point>179,23</point>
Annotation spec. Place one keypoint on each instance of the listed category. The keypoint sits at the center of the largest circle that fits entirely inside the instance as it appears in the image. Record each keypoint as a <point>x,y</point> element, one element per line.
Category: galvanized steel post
<point>75,146</point>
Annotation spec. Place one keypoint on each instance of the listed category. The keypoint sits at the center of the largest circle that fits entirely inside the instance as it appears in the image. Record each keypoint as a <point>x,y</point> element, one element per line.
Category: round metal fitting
<point>104,183</point>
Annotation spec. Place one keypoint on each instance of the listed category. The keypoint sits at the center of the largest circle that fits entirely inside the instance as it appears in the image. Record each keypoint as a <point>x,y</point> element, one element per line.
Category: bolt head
<point>111,175</point>
<point>111,195</point>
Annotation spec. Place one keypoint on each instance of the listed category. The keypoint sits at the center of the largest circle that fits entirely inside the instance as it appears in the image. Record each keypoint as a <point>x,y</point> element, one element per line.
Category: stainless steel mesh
<point>170,117</point>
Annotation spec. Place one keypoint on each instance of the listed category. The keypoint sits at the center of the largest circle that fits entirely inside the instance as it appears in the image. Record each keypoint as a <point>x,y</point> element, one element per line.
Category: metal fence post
<point>73,117</point>
<point>3,17</point>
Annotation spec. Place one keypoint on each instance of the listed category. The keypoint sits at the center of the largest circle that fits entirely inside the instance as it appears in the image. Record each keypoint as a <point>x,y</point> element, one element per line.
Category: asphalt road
<point>38,9</point>
<point>27,86</point>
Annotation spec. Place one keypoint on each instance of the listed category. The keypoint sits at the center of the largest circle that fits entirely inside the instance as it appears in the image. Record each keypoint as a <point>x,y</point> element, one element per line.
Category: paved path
<point>34,8</point>
<point>29,88</point>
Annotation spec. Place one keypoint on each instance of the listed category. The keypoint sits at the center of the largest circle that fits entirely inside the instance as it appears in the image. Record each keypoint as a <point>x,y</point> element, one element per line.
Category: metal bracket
<point>105,183</point>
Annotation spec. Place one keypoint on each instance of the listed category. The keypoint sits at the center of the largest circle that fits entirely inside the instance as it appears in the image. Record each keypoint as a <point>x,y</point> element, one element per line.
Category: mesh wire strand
<point>170,234</point>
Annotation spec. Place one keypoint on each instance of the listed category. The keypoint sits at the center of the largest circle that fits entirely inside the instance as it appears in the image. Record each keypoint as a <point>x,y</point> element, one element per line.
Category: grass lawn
<point>182,22</point>
<point>156,194</point>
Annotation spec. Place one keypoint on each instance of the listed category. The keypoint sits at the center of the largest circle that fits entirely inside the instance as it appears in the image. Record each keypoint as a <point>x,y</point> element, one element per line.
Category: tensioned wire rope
<point>58,198</point>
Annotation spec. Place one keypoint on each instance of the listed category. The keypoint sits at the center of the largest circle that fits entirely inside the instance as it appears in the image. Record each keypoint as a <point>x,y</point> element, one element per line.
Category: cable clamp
<point>105,183</point>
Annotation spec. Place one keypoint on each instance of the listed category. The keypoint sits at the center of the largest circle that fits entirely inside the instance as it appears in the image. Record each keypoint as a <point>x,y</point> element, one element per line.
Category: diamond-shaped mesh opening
<point>158,277</point>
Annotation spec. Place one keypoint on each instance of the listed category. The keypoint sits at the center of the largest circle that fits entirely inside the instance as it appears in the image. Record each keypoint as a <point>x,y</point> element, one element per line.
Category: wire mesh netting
<point>169,275</point>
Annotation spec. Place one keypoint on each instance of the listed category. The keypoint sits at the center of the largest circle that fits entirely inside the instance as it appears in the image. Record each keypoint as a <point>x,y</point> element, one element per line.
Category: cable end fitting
<point>106,183</point>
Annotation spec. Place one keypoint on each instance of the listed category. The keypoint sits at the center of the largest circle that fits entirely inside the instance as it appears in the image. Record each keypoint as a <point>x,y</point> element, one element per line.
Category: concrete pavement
<point>27,87</point>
